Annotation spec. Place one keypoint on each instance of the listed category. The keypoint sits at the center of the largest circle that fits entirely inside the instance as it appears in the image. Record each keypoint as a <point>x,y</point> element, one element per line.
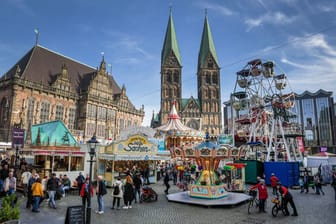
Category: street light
<point>92,144</point>
<point>16,159</point>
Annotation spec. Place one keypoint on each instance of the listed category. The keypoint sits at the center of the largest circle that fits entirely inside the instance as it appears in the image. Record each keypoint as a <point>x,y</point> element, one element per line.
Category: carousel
<point>185,143</point>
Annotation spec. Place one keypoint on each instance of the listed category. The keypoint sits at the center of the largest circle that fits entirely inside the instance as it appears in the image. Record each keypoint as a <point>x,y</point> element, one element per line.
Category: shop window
<point>77,163</point>
<point>61,163</point>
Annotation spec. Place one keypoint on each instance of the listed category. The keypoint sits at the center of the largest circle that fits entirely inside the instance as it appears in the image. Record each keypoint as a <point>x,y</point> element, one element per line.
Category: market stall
<point>135,152</point>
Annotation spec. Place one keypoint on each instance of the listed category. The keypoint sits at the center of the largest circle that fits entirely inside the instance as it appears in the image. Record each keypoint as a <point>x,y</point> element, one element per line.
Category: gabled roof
<point>170,43</point>
<point>41,65</point>
<point>186,101</point>
<point>207,45</point>
<point>53,133</point>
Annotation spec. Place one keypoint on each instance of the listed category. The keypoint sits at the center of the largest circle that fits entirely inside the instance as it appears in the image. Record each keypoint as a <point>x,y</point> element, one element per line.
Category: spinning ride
<point>265,111</point>
<point>207,155</point>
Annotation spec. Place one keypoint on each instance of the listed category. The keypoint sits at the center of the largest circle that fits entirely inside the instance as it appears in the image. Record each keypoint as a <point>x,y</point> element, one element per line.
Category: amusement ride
<point>265,113</point>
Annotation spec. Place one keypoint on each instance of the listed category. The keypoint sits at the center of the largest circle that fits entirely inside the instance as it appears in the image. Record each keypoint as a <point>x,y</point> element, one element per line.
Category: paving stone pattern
<point>311,208</point>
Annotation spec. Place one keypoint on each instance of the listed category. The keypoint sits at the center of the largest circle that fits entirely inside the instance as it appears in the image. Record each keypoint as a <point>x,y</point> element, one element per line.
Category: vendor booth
<point>119,157</point>
<point>234,176</point>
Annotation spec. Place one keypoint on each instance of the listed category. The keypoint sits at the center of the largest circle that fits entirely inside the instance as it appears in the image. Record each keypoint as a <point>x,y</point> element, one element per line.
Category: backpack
<point>116,190</point>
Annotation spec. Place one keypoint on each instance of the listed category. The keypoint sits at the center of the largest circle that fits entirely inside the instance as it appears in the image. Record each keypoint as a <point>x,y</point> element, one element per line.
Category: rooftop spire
<point>170,42</point>
<point>207,44</point>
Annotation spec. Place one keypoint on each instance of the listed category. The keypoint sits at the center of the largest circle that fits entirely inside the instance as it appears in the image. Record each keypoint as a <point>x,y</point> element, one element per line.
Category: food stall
<point>136,151</point>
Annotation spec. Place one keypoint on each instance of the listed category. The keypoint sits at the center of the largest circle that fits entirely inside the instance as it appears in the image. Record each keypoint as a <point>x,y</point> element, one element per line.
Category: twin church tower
<point>203,113</point>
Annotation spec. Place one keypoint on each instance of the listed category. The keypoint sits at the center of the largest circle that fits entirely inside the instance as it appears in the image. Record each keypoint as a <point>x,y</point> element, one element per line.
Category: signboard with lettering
<point>136,144</point>
<point>74,215</point>
<point>18,135</point>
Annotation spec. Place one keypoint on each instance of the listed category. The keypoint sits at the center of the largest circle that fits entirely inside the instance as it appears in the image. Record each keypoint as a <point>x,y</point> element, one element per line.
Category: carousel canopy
<point>208,145</point>
<point>174,123</point>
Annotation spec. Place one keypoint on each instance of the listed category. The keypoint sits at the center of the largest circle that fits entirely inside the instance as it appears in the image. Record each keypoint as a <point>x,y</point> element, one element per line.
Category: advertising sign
<point>18,135</point>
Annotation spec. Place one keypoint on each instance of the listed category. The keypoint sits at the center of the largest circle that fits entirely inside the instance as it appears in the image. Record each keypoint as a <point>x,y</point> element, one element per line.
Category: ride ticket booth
<point>116,159</point>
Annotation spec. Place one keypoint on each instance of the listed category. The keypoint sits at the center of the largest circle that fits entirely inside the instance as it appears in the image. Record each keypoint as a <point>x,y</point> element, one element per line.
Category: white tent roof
<point>174,123</point>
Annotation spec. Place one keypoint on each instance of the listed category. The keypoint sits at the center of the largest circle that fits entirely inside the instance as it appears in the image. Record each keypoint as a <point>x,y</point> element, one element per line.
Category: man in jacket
<point>100,192</point>
<point>287,197</point>
<point>52,186</point>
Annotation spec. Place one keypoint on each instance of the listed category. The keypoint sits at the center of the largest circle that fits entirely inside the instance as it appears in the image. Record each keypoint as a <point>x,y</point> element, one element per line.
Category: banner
<point>300,143</point>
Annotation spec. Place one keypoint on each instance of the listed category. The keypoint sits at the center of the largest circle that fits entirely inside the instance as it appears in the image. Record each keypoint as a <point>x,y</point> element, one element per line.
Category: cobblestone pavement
<point>311,208</point>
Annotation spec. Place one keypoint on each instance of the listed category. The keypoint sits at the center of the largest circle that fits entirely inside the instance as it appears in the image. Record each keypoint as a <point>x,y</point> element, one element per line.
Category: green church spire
<point>207,45</point>
<point>170,42</point>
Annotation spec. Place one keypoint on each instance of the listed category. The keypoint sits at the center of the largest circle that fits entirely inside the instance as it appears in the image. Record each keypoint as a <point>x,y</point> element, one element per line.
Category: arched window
<point>30,111</point>
<point>59,112</point>
<point>4,110</point>
<point>44,112</point>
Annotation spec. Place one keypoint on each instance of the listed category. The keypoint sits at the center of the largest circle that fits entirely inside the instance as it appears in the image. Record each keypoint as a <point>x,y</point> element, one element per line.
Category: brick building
<point>45,86</point>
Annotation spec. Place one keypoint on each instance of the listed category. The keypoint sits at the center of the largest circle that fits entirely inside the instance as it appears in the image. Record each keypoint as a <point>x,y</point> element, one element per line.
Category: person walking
<point>100,192</point>
<point>166,181</point>
<point>306,182</point>
<point>117,193</point>
<point>37,192</point>
<point>137,188</point>
<point>85,192</point>
<point>10,184</point>
<point>52,186</point>
<point>318,184</point>
<point>25,176</point>
<point>263,194</point>
<point>29,192</point>
<point>128,193</point>
<point>80,180</point>
<point>274,179</point>
<point>287,197</point>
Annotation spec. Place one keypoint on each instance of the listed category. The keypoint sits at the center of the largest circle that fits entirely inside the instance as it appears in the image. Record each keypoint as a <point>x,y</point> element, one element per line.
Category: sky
<point>298,35</point>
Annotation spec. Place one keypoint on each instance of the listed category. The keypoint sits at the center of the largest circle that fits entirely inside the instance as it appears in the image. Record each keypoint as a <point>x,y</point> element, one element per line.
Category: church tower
<point>171,67</point>
<point>208,83</point>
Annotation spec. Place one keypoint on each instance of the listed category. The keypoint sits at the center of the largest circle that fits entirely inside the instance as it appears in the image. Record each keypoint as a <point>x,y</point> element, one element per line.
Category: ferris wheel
<point>265,112</point>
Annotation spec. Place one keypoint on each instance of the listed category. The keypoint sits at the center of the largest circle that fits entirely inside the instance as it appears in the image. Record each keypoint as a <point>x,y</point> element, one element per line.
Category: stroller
<point>148,194</point>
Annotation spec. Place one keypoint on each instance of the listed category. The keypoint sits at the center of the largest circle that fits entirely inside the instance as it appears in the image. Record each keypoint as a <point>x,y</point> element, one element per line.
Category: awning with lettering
<point>57,153</point>
<point>132,157</point>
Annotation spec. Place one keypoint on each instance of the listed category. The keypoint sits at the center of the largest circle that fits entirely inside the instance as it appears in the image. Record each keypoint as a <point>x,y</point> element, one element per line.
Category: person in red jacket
<point>287,197</point>
<point>274,180</point>
<point>263,195</point>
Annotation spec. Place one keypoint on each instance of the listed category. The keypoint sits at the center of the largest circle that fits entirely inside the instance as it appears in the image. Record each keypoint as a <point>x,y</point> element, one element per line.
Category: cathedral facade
<point>202,113</point>
<point>45,86</point>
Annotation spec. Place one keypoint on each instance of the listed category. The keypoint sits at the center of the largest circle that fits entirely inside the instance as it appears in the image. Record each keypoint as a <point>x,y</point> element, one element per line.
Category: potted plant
<point>10,210</point>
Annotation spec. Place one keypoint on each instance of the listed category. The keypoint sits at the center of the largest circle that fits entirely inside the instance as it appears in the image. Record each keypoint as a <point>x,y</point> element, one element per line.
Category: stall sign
<point>136,144</point>
<point>42,152</point>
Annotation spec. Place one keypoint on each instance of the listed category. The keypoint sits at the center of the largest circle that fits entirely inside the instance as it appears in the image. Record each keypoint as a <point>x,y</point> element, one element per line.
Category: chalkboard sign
<point>75,215</point>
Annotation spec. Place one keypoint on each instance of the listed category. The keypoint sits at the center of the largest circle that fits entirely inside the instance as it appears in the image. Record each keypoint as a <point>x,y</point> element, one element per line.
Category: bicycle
<point>278,206</point>
<point>253,202</point>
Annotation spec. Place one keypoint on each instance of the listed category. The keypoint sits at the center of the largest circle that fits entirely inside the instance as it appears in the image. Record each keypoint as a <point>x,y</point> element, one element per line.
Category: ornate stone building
<point>44,86</point>
<point>202,113</point>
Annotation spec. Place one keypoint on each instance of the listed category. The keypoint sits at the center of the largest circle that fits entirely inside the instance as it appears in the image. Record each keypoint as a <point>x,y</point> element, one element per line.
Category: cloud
<point>318,66</point>
<point>131,50</point>
<point>216,8</point>
<point>275,18</point>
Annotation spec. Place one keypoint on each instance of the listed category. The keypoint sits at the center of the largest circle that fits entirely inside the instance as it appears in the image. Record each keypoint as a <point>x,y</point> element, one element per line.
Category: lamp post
<point>92,144</point>
<point>16,159</point>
